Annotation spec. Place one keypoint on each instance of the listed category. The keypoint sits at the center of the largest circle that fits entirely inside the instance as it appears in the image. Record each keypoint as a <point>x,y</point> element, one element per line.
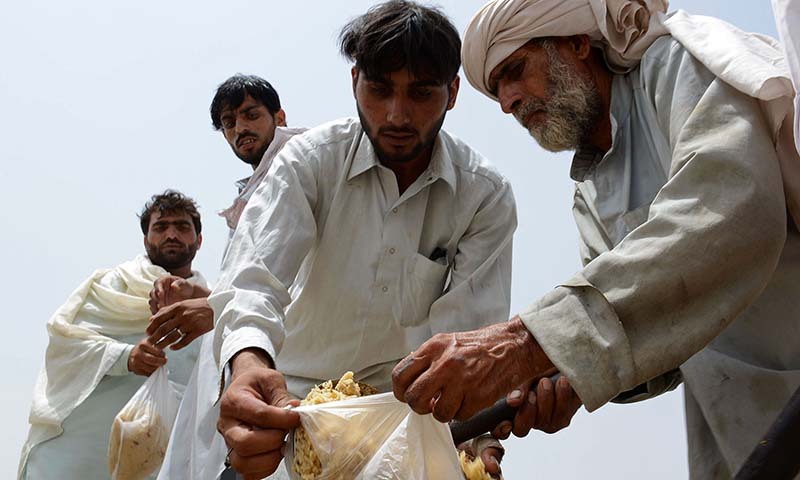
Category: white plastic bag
<point>376,438</point>
<point>140,432</point>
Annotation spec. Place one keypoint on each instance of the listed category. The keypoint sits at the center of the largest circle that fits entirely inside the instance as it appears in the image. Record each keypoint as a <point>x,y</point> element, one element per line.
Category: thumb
<point>282,398</point>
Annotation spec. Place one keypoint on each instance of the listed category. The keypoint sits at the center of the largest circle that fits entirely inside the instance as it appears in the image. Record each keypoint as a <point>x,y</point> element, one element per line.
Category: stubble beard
<point>170,261</point>
<point>571,111</point>
<point>426,140</point>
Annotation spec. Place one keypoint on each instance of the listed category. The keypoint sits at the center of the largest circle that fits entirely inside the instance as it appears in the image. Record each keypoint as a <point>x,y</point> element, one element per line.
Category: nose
<point>397,112</point>
<point>241,126</point>
<point>509,95</point>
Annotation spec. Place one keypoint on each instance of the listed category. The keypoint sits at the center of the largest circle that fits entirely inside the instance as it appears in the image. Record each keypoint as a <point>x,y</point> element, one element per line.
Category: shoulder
<point>329,135</point>
<point>471,166</point>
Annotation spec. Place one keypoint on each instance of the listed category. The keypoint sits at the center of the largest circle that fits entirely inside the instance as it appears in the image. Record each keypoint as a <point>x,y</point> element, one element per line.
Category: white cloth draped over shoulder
<point>282,135</point>
<point>80,351</point>
<point>752,63</point>
<point>787,19</point>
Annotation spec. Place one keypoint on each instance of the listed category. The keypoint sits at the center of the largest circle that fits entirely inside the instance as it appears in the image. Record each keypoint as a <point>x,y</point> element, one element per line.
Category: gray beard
<point>571,111</point>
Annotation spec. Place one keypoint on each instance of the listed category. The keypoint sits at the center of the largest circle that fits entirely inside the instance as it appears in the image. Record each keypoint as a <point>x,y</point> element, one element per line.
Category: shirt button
<point>394,210</point>
<point>385,289</point>
<point>392,250</point>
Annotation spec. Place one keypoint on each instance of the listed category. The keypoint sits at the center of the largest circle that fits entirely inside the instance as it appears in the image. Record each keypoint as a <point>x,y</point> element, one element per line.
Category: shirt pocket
<point>423,284</point>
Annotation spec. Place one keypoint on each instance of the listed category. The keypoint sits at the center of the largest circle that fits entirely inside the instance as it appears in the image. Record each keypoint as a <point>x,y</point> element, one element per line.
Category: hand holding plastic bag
<point>140,432</point>
<point>375,438</point>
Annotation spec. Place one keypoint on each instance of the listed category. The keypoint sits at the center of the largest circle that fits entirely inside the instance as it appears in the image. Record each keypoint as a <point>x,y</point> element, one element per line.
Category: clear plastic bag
<point>375,438</point>
<point>140,432</point>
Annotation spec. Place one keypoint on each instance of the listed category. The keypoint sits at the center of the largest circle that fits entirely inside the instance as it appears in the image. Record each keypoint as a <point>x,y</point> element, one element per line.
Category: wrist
<point>532,353</point>
<point>249,359</point>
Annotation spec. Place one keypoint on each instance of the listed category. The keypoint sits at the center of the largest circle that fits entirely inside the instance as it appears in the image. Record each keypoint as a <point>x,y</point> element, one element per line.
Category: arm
<point>712,240</point>
<point>275,233</point>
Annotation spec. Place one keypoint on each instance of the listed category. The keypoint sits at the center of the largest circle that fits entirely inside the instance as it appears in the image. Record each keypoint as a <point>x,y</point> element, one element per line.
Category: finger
<point>502,431</point>
<point>153,360</point>
<point>405,372</point>
<point>525,419</point>
<point>247,409</point>
<point>188,338</point>
<point>545,397</point>
<point>258,466</point>
<point>248,442</point>
<point>447,404</point>
<point>491,460</point>
<point>159,323</point>
<point>153,302</point>
<point>168,339</point>
<point>151,349</point>
<point>519,395</point>
<point>567,403</point>
<point>420,394</point>
<point>159,287</point>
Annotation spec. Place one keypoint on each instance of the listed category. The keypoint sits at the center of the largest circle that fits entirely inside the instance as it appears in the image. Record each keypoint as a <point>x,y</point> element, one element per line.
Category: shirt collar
<point>441,165</point>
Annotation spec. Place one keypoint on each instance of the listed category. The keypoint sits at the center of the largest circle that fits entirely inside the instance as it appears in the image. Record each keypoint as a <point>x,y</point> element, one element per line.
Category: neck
<point>407,172</point>
<point>183,272</point>
<point>601,136</point>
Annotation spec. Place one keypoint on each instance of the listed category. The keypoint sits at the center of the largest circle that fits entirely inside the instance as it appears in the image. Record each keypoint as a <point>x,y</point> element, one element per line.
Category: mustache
<point>527,108</point>
<point>170,243</point>
<point>397,131</point>
<point>244,137</point>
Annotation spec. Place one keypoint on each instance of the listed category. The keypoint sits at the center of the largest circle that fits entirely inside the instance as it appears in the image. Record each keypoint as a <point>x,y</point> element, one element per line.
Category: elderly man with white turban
<point>687,201</point>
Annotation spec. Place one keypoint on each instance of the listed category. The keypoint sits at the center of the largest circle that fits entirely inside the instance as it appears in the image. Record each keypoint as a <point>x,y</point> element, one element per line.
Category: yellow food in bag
<point>473,469</point>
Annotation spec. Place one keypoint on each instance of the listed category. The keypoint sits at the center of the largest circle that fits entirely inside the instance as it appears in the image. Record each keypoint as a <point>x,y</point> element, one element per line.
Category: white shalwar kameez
<point>79,392</point>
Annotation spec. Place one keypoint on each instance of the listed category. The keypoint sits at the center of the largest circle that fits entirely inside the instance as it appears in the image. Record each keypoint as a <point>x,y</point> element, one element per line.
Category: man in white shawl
<point>686,201</point>
<point>99,355</point>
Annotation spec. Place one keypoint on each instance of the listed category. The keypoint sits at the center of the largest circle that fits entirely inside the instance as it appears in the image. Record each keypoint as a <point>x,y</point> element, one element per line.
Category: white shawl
<point>80,352</point>
<point>752,63</point>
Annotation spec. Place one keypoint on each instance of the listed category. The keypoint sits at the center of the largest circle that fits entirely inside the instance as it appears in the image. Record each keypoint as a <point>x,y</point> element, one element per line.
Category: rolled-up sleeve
<point>711,242</point>
<point>479,292</point>
<point>274,235</point>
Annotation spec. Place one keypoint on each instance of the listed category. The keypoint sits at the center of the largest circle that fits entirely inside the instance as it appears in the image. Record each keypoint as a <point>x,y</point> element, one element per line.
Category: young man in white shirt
<point>385,228</point>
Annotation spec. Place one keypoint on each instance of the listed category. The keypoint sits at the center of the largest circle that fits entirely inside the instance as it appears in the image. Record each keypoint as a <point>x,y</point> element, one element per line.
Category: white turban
<point>752,63</point>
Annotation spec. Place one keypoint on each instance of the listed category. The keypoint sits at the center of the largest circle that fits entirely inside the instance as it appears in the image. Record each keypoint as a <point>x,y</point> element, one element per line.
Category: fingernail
<point>515,395</point>
<point>532,398</point>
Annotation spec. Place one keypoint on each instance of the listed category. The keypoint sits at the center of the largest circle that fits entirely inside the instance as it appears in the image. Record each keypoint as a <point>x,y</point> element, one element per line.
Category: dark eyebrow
<point>174,222</point>
<point>425,83</point>
<point>248,109</point>
<point>495,77</point>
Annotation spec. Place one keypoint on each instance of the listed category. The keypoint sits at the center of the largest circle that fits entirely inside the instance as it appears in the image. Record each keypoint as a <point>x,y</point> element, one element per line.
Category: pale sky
<point>119,92</point>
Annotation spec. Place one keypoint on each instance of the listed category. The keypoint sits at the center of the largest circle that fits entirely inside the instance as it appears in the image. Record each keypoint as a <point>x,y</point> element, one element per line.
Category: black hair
<point>403,34</point>
<point>231,93</point>
<point>171,201</point>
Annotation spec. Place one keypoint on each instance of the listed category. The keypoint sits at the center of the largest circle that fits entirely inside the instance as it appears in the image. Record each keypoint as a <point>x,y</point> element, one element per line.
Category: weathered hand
<point>145,358</point>
<point>458,374</point>
<point>180,323</point>
<point>252,417</point>
<point>549,408</point>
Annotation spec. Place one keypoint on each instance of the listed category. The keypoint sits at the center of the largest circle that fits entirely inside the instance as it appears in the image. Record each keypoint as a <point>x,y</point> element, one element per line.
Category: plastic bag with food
<point>140,432</point>
<point>368,437</point>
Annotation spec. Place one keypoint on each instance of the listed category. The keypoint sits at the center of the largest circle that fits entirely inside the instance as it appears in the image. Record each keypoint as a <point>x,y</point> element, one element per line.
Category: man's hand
<point>252,417</point>
<point>458,374</point>
<point>180,322</point>
<point>170,289</point>
<point>489,450</point>
<point>145,358</point>
<point>549,408</point>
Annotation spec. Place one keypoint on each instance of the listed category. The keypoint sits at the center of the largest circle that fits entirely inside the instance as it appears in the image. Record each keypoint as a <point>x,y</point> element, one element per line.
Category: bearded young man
<point>98,354</point>
<point>393,228</point>
<point>686,201</point>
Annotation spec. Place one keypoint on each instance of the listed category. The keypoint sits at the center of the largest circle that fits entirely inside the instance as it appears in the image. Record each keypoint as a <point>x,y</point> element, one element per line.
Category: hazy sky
<point>106,103</point>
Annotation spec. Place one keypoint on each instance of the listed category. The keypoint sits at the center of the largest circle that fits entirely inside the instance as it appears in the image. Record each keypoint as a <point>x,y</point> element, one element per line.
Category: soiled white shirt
<point>684,231</point>
<point>329,216</point>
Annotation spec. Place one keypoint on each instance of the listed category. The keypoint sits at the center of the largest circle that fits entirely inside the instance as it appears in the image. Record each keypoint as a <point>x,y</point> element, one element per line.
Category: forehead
<point>170,217</point>
<point>248,103</point>
<point>403,77</point>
